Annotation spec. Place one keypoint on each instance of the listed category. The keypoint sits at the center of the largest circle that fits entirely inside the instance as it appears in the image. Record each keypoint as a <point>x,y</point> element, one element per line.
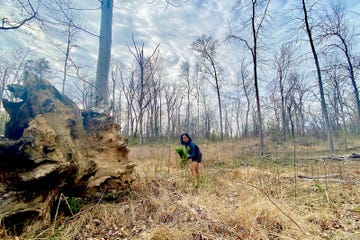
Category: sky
<point>153,23</point>
<point>174,28</point>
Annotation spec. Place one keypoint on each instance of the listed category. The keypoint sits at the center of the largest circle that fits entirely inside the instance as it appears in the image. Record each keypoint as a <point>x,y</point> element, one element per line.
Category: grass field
<point>241,196</point>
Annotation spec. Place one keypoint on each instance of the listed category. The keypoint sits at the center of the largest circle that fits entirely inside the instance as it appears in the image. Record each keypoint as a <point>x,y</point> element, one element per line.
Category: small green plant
<point>321,190</point>
<point>111,195</point>
<point>74,204</point>
<point>183,154</point>
<point>196,184</point>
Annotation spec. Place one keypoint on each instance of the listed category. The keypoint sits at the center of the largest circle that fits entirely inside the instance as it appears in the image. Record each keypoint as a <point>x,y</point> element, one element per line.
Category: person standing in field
<point>194,154</point>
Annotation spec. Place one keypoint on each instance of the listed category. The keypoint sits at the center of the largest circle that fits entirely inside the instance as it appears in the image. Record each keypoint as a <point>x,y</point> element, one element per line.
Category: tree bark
<point>320,83</point>
<point>104,54</point>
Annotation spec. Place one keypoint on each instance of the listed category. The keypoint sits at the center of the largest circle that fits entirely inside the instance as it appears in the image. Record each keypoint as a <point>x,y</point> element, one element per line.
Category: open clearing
<point>241,197</point>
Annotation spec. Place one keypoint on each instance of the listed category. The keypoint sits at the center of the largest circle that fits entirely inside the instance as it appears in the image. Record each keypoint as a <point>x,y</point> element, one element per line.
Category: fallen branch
<point>328,177</point>
<point>352,157</point>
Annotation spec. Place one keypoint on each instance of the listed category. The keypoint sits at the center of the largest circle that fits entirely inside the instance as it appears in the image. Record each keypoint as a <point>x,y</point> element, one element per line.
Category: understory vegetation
<point>294,192</point>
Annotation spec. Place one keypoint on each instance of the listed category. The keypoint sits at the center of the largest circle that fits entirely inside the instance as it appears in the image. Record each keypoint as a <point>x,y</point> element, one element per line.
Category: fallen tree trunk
<point>351,157</point>
<point>52,149</point>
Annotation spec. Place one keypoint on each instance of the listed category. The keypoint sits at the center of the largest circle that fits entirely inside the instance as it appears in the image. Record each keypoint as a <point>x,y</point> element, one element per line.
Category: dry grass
<point>241,197</point>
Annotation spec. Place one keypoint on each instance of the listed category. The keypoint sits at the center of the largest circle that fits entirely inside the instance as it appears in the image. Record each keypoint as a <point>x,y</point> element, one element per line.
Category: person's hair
<point>181,141</point>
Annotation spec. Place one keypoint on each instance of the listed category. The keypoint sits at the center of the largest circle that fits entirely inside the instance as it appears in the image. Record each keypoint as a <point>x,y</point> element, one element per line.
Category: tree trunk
<point>247,112</point>
<point>353,82</point>
<point>320,83</point>
<point>258,107</point>
<point>104,55</point>
<point>217,86</point>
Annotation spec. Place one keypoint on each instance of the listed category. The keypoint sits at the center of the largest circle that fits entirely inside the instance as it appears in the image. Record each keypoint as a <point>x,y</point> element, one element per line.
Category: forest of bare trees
<point>295,97</point>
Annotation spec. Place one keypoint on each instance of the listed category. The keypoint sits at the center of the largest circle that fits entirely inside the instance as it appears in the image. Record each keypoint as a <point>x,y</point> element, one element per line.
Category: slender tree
<point>155,69</point>
<point>283,63</point>
<point>11,67</point>
<point>143,86</point>
<point>294,94</point>
<point>206,47</point>
<point>325,114</point>
<point>197,86</point>
<point>128,89</point>
<point>185,75</point>
<point>337,98</point>
<point>244,82</point>
<point>335,27</point>
<point>172,100</point>
<point>259,12</point>
<point>60,19</point>
<point>104,54</point>
<point>83,88</point>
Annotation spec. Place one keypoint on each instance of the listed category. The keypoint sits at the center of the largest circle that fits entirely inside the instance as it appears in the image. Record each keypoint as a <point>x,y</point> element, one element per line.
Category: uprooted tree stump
<point>52,149</point>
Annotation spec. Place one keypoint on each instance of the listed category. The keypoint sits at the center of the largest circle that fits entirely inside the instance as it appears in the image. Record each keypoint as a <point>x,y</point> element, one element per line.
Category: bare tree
<point>283,64</point>
<point>207,116</point>
<point>295,92</point>
<point>227,121</point>
<point>104,54</point>
<point>325,114</point>
<point>244,83</point>
<point>70,31</point>
<point>11,67</point>
<point>336,28</point>
<point>154,74</point>
<point>259,11</point>
<point>206,48</point>
<point>82,92</point>
<point>197,89</point>
<point>172,100</point>
<point>142,87</point>
<point>143,97</point>
<point>185,75</point>
<point>116,73</point>
<point>337,97</point>
<point>241,95</point>
<point>59,20</point>
<point>128,89</point>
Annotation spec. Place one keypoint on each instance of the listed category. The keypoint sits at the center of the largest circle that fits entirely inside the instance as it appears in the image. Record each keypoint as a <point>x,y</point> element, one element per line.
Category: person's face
<point>184,138</point>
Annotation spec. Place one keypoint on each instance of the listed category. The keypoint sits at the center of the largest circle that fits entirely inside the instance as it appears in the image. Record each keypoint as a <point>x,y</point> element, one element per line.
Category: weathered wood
<point>330,176</point>
<point>52,150</point>
<point>355,155</point>
<point>351,157</point>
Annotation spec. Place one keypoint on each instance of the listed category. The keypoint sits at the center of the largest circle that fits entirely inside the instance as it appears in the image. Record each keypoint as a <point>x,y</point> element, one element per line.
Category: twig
<point>68,205</point>
<point>57,208</point>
